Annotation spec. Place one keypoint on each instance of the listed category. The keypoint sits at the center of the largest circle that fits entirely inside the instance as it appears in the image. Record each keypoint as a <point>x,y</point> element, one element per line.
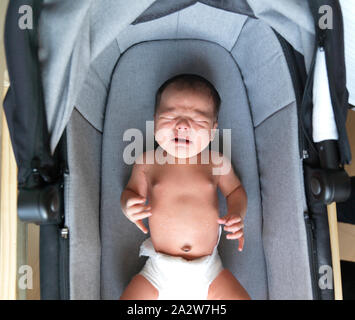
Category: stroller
<point>88,71</point>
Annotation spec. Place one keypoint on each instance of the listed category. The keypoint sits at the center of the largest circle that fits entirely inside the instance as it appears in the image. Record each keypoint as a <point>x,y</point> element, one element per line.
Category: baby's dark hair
<point>190,81</point>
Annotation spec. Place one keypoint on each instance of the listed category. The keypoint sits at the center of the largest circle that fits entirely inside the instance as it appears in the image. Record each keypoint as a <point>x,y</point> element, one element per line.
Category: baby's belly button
<point>186,248</point>
<point>183,243</point>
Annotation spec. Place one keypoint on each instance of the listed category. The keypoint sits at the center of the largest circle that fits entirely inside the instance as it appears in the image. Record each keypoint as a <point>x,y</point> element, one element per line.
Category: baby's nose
<point>182,125</point>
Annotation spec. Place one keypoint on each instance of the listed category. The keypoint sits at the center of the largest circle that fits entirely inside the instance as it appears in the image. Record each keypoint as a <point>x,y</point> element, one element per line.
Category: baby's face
<point>184,121</point>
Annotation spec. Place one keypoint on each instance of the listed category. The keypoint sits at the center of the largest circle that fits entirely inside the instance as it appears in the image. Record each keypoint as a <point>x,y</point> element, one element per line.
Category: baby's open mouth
<point>181,140</point>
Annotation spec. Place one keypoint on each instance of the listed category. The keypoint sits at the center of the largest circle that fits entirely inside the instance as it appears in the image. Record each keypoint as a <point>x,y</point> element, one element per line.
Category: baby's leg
<point>140,289</point>
<point>226,287</point>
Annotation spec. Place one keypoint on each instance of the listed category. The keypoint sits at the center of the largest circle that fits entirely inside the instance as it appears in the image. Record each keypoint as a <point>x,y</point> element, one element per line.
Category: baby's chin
<point>181,152</point>
<point>182,155</point>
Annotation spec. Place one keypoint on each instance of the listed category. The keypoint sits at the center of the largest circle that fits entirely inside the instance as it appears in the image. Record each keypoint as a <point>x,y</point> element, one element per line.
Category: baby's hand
<point>135,211</point>
<point>234,223</point>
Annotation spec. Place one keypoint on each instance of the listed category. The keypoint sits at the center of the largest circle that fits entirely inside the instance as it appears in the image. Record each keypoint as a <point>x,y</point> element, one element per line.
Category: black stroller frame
<point>40,173</point>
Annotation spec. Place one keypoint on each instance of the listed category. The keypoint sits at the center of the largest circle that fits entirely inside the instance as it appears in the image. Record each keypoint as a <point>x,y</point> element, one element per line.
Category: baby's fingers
<point>233,220</point>
<point>137,208</point>
<point>235,235</point>
<point>229,219</point>
<point>238,235</point>
<point>235,227</point>
<point>241,243</point>
<point>141,215</point>
<point>135,200</point>
<point>141,226</point>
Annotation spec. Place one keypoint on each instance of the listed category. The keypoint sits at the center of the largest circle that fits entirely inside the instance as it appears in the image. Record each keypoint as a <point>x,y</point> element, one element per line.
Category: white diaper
<point>177,278</point>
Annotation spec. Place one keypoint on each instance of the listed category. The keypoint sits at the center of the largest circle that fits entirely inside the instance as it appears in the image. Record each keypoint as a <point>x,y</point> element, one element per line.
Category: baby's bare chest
<point>182,179</point>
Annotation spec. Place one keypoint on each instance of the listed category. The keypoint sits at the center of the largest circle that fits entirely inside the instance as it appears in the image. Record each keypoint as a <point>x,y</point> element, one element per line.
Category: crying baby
<point>182,210</point>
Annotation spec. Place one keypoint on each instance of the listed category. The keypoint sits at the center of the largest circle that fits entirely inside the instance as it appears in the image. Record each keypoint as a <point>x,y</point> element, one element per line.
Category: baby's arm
<point>236,197</point>
<point>134,196</point>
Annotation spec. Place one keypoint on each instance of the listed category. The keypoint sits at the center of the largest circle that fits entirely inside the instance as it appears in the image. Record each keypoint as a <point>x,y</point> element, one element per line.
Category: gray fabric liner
<point>282,191</point>
<point>82,207</point>
<point>266,103</point>
<point>240,6</point>
<point>92,98</point>
<point>117,121</point>
<point>223,27</point>
<point>163,8</point>
<point>264,69</point>
<point>170,58</point>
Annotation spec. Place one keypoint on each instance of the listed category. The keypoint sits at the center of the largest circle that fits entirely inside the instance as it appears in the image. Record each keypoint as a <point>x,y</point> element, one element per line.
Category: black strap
<point>24,104</point>
<point>332,40</point>
<point>54,264</point>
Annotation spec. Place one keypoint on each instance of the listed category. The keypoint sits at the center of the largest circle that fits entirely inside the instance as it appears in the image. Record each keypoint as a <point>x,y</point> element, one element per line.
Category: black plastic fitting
<point>41,205</point>
<point>329,185</point>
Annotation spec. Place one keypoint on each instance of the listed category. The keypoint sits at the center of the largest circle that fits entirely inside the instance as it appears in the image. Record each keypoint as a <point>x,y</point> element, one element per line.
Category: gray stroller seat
<point>248,68</point>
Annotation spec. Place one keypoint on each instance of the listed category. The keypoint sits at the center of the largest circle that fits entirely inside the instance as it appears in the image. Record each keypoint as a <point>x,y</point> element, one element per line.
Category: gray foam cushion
<point>138,74</point>
<point>82,207</point>
<point>282,193</point>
